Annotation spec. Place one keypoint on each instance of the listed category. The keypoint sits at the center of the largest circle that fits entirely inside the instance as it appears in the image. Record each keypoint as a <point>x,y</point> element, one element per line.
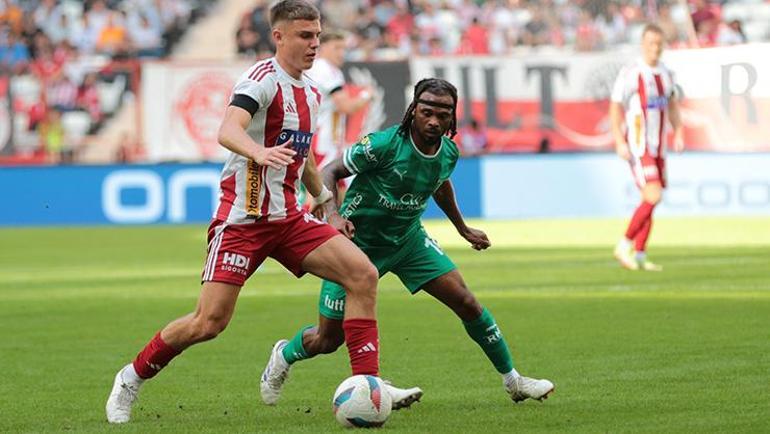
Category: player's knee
<point>652,195</point>
<point>207,328</point>
<point>363,281</point>
<point>470,308</point>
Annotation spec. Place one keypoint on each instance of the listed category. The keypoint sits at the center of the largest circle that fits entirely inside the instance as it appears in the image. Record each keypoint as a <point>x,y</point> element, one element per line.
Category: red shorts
<point>236,250</point>
<point>648,169</point>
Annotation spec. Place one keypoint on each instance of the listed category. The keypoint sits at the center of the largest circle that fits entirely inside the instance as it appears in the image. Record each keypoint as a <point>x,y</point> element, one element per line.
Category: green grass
<point>683,350</point>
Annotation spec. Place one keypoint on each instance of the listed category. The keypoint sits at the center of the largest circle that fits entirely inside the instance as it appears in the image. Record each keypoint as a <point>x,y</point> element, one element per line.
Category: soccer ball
<point>361,401</point>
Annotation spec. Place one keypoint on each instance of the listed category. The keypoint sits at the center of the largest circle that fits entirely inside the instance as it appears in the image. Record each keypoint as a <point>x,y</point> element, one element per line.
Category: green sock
<point>294,350</point>
<point>485,332</point>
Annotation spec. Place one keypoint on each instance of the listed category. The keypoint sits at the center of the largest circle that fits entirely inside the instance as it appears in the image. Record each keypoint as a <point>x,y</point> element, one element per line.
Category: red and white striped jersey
<point>331,123</point>
<point>287,109</point>
<point>645,91</point>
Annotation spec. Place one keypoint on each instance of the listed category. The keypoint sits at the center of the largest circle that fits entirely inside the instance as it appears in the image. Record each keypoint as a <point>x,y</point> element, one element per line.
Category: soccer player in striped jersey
<point>336,103</point>
<point>397,171</point>
<point>267,127</point>
<point>644,100</point>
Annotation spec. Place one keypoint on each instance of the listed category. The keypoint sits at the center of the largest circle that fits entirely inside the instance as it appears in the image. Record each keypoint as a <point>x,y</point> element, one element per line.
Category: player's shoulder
<point>261,71</point>
<point>449,147</point>
<point>383,137</point>
<point>629,69</point>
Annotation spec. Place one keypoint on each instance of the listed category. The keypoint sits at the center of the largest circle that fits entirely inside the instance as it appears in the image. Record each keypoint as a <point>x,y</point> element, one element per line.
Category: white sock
<point>510,376</point>
<point>624,244</point>
<point>129,375</point>
<point>641,256</point>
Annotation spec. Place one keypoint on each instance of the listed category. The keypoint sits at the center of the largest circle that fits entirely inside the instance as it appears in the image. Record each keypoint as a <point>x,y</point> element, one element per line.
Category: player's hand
<point>621,148</point>
<point>275,157</point>
<point>317,209</point>
<point>345,226</point>
<point>477,238</point>
<point>679,140</point>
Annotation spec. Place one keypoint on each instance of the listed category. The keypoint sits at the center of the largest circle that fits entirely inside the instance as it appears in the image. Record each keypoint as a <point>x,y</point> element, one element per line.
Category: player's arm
<point>331,174</point>
<point>616,122</point>
<point>675,117</point>
<point>232,135</point>
<point>311,178</point>
<point>445,198</point>
<point>346,104</point>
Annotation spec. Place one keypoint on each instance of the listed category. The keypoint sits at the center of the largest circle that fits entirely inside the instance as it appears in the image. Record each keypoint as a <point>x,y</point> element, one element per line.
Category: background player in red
<point>644,100</point>
<point>267,127</point>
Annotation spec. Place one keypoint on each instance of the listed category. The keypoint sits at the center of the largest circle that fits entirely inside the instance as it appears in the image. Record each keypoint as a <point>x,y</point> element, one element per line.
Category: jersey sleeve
<point>260,91</point>
<point>619,89</point>
<point>367,154</point>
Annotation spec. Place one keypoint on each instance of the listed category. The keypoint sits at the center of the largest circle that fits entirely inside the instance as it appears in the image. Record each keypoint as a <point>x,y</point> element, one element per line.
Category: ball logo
<point>201,105</point>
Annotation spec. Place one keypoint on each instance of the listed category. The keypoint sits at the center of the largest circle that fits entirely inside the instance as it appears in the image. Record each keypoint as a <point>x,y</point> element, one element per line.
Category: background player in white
<point>267,127</point>
<point>336,103</point>
<point>644,100</point>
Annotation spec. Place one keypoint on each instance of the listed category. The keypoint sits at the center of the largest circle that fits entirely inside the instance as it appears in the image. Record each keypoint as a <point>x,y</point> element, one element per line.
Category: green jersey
<point>393,184</point>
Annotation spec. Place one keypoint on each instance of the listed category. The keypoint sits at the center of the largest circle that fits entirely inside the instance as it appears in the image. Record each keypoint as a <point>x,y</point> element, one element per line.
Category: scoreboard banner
<point>183,103</point>
<point>553,100</point>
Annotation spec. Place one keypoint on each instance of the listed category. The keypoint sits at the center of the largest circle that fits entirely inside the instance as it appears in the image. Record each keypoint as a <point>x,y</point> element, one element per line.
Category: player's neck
<point>652,63</point>
<point>423,146</point>
<point>292,72</point>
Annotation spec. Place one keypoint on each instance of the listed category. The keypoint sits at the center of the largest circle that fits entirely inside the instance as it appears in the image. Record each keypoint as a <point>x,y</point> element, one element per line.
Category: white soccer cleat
<point>122,397</point>
<point>625,257</point>
<point>649,266</point>
<point>275,374</point>
<point>522,388</point>
<point>403,398</point>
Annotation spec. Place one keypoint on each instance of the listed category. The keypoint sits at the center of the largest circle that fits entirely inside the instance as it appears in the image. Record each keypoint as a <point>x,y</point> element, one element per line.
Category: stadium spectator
<point>14,55</point>
<point>475,39</point>
<point>731,33</point>
<point>145,39</point>
<point>473,139</point>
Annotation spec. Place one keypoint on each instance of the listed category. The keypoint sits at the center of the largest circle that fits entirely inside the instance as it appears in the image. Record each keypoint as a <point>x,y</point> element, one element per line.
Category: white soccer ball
<point>361,401</point>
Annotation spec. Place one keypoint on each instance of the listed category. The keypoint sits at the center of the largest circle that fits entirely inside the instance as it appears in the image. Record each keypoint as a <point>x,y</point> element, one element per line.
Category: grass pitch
<point>683,350</point>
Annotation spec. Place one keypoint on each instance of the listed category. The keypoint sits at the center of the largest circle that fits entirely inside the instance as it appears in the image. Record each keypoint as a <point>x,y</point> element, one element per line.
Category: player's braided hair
<point>436,86</point>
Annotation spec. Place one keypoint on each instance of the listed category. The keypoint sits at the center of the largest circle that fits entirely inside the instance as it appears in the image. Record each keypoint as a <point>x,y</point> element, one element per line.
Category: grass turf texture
<point>682,350</point>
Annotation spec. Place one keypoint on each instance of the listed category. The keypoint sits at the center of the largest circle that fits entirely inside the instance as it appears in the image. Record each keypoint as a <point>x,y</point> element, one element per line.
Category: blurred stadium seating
<point>84,57</point>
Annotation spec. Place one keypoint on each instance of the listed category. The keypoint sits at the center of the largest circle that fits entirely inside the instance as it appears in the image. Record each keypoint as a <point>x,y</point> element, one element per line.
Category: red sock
<point>363,345</point>
<point>641,215</point>
<point>641,237</point>
<point>154,357</point>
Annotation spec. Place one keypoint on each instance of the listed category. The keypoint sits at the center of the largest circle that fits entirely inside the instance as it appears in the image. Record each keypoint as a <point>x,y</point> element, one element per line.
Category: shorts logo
<point>235,263</point>
<point>429,242</point>
<point>311,218</point>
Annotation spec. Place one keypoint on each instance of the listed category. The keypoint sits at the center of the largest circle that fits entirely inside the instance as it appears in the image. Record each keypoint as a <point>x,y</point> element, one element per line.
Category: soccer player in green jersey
<point>397,170</point>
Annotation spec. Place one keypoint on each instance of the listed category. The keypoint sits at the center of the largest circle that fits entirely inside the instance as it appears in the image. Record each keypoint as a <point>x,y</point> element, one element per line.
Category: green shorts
<point>416,263</point>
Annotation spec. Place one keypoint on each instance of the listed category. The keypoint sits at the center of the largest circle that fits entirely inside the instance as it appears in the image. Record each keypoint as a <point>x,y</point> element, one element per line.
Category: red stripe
<point>228,197</point>
<point>264,73</point>
<point>260,68</point>
<point>273,126</point>
<point>292,172</point>
<point>317,94</point>
<point>659,85</point>
<point>643,100</point>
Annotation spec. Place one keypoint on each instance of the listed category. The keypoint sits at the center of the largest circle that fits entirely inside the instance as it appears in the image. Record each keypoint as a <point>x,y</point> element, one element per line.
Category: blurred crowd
<point>70,61</point>
<point>391,29</point>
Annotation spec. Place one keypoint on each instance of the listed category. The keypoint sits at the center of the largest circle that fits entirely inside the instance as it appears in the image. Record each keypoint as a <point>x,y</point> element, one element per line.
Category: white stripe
<point>214,257</point>
<point>348,162</point>
<point>214,245</point>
